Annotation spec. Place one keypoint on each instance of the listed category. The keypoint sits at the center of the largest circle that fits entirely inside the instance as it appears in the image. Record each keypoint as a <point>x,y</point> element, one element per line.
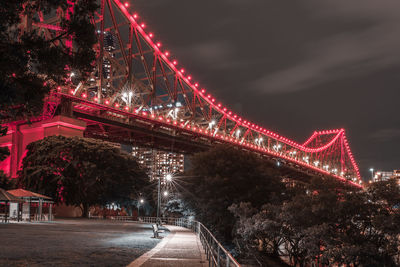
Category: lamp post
<point>168,178</point>
<point>158,199</point>
<point>141,201</point>
<point>372,173</point>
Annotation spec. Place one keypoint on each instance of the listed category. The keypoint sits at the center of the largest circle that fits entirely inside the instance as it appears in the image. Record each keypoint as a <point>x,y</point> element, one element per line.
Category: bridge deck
<point>181,247</point>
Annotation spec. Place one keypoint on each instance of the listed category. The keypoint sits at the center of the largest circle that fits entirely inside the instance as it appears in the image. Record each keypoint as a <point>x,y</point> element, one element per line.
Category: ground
<point>76,242</point>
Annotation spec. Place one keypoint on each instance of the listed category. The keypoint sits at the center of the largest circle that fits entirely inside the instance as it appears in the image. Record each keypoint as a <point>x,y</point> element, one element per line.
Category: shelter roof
<point>6,196</point>
<point>22,193</point>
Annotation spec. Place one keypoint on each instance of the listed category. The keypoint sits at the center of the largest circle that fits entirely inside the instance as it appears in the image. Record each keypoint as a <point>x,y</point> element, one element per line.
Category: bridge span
<point>139,94</point>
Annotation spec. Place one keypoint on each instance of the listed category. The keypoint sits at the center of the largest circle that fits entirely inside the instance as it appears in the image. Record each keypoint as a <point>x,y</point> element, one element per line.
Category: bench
<point>156,230</point>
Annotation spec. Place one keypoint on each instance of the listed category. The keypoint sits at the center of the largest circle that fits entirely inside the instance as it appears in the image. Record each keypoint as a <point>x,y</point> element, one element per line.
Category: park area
<point>75,242</point>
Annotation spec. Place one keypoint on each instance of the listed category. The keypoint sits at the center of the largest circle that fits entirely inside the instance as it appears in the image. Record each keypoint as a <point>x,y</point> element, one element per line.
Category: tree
<point>225,175</point>
<point>327,222</point>
<point>81,171</point>
<point>5,182</point>
<point>32,64</point>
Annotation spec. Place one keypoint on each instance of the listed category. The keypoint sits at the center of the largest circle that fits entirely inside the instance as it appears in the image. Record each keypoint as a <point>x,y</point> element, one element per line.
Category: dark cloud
<point>386,135</point>
<point>346,53</point>
<point>295,66</point>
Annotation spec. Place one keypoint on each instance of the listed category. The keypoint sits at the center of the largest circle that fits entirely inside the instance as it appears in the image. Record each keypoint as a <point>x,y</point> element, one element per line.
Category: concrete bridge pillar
<point>19,136</point>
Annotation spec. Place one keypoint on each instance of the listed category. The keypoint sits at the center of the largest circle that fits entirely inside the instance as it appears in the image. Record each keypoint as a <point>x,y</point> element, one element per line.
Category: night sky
<point>294,66</point>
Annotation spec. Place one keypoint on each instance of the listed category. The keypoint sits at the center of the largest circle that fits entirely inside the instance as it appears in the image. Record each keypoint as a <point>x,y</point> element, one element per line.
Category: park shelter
<point>35,206</point>
<point>6,199</point>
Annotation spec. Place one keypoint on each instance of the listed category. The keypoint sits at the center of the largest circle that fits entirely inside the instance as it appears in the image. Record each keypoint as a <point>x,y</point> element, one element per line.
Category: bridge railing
<point>216,254</point>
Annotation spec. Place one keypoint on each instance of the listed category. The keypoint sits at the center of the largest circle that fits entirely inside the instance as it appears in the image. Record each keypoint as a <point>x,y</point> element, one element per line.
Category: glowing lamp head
<point>158,44</point>
<point>165,193</point>
<point>174,62</point>
<point>135,16</point>
<point>107,102</point>
<point>168,177</point>
<point>151,35</point>
<point>143,25</point>
<point>166,54</point>
<point>142,201</point>
<point>126,4</point>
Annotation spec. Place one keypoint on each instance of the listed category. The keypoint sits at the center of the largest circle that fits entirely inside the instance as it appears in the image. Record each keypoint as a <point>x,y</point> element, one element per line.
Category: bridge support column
<point>19,136</point>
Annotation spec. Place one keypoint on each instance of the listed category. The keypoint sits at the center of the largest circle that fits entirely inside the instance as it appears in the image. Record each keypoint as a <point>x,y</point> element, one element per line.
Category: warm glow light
<point>126,4</point>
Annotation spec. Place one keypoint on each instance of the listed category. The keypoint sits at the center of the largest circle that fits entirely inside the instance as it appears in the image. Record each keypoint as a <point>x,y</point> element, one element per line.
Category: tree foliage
<point>326,223</point>
<point>31,64</point>
<point>224,175</point>
<point>6,182</point>
<point>81,171</point>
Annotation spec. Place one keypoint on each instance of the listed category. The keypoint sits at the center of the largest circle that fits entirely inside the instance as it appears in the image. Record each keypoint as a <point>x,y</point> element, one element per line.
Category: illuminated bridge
<point>140,94</point>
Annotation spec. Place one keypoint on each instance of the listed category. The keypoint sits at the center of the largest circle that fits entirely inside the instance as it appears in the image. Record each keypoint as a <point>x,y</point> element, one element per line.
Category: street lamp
<point>141,201</point>
<point>168,178</point>
<point>372,173</point>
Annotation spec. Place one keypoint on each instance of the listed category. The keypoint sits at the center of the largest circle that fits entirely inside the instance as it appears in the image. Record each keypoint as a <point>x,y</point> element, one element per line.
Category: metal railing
<point>216,254</point>
<point>115,218</point>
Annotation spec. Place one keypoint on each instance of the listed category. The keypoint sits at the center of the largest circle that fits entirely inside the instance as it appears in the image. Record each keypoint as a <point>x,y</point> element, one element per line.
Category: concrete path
<point>181,247</point>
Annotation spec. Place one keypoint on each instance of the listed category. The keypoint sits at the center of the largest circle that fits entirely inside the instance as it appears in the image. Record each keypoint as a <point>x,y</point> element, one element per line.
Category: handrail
<point>216,254</point>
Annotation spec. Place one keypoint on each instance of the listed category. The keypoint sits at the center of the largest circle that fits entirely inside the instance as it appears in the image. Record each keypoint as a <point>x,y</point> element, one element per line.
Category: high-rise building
<point>159,163</point>
<point>109,45</point>
<point>385,175</point>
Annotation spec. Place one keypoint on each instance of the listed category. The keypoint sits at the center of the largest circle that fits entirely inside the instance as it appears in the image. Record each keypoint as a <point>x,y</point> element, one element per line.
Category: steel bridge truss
<point>138,83</point>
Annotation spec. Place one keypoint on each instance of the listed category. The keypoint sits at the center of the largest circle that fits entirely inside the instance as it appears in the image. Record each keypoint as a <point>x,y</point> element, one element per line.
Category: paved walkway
<point>181,247</point>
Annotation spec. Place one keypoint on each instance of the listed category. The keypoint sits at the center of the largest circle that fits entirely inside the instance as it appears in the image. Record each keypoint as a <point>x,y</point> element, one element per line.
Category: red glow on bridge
<point>153,101</point>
